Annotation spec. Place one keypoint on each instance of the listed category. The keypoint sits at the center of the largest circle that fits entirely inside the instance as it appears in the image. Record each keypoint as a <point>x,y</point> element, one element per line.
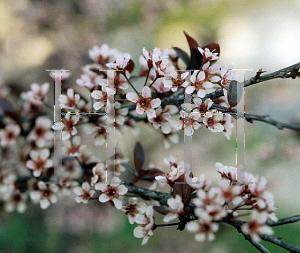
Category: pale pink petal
<point>103,198</point>
<point>70,93</point>
<point>118,203</point>
<point>133,97</point>
<point>44,154</point>
<point>201,93</point>
<point>189,89</point>
<point>139,109</point>
<point>97,94</point>
<point>85,186</point>
<point>138,232</point>
<point>78,191</point>
<point>122,189</point>
<point>48,164</point>
<point>35,195</point>
<point>150,113</point>
<point>99,140</point>
<point>34,155</point>
<point>44,203</point>
<point>37,173</point>
<point>155,103</point>
<point>30,164</point>
<point>146,92</point>
<point>101,186</point>
<point>45,88</point>
<point>98,105</point>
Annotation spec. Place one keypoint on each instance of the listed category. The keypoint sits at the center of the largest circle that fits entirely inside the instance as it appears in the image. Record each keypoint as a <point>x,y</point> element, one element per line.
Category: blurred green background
<point>51,34</point>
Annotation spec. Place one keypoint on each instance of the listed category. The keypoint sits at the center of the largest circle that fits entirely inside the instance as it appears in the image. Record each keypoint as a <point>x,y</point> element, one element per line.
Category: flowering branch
<point>250,117</point>
<point>282,73</point>
<point>198,206</point>
<point>287,220</point>
<point>276,240</point>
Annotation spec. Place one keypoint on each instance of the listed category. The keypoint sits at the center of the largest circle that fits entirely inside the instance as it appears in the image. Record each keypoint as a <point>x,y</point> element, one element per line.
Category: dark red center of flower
<point>40,131</point>
<point>10,135</point>
<point>71,102</point>
<point>39,165</point>
<point>16,198</point>
<point>46,193</point>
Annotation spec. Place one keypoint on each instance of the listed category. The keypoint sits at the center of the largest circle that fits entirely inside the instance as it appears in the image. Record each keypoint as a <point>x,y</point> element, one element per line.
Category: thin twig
<point>162,197</point>
<point>280,222</point>
<point>153,82</point>
<point>277,241</point>
<point>251,117</point>
<point>282,73</point>
<point>147,77</point>
<point>237,224</point>
<point>130,83</point>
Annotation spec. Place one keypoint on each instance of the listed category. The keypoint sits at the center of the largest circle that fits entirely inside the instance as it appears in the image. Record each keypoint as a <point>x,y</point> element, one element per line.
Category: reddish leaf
<point>160,210</point>
<point>149,175</point>
<point>192,42</point>
<point>213,47</point>
<point>294,72</point>
<point>182,189</point>
<point>258,73</point>
<point>138,157</point>
<point>196,56</point>
<point>14,115</point>
<point>130,66</point>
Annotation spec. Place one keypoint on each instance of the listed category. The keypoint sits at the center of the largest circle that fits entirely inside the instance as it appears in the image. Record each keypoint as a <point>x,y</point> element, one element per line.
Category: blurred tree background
<point>56,34</point>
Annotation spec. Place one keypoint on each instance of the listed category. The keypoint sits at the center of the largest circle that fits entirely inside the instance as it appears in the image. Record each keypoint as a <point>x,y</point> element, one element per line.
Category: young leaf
<point>294,72</point>
<point>196,56</point>
<point>138,157</point>
<point>235,92</point>
<point>149,175</point>
<point>182,55</point>
<point>182,189</point>
<point>130,66</point>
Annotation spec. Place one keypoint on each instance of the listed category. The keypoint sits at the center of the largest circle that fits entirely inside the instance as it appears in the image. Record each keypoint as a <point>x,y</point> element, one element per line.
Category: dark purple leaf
<point>182,189</point>
<point>196,56</point>
<point>128,168</point>
<point>138,157</point>
<point>182,55</point>
<point>130,66</point>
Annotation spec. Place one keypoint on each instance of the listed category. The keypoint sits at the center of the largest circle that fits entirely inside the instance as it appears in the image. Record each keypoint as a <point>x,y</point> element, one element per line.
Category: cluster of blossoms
<point>28,142</point>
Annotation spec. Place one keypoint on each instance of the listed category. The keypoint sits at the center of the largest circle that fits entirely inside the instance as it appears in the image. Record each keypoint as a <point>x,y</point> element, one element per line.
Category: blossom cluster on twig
<point>27,146</point>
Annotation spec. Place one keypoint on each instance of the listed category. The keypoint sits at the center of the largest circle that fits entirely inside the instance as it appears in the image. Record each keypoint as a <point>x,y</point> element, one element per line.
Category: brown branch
<point>281,222</point>
<point>251,117</point>
<point>273,239</point>
<point>277,241</point>
<point>237,224</point>
<point>282,73</point>
<point>162,197</point>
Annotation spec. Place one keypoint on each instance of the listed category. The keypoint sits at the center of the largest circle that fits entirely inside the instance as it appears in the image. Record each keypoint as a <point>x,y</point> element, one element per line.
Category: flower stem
<point>130,84</point>
<point>147,77</point>
<point>166,225</point>
<point>153,82</point>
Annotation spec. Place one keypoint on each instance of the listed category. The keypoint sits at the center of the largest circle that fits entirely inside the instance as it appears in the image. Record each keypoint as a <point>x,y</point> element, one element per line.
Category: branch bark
<point>251,117</point>
<point>282,73</point>
<point>281,222</point>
